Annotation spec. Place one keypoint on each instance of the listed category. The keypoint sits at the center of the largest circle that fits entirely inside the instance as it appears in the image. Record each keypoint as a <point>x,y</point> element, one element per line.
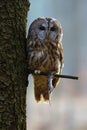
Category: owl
<point>45,54</point>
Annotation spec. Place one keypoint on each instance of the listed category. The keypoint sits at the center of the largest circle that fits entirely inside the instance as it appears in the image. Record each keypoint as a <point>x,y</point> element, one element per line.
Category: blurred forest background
<point>68,108</point>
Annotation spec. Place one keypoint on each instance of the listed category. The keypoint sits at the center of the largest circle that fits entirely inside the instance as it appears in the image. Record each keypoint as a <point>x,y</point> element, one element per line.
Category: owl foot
<point>50,78</point>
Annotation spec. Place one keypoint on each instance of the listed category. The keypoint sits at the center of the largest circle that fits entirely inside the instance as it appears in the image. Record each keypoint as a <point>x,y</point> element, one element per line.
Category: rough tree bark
<point>13,75</point>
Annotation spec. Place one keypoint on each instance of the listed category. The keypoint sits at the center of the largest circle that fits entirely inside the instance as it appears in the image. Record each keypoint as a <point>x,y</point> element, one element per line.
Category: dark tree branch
<point>56,75</point>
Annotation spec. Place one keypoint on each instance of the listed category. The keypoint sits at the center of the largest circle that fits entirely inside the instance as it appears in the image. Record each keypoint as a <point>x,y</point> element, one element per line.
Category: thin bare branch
<point>56,75</point>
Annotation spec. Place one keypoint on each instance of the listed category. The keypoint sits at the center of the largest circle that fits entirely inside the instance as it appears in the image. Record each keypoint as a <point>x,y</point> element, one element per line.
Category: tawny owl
<point>45,54</point>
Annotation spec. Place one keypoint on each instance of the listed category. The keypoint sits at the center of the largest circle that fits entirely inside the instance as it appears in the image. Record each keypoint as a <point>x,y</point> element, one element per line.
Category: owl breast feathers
<point>45,53</point>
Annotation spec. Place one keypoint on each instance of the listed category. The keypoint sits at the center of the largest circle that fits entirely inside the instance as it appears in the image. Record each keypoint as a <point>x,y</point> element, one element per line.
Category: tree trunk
<point>13,74</point>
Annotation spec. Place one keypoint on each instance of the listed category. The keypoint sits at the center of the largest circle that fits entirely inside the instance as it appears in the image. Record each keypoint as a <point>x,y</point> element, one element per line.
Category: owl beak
<point>47,36</point>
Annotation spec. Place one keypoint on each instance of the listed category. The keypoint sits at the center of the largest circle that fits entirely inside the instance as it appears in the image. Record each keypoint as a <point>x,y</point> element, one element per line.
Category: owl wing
<point>61,57</point>
<point>55,80</point>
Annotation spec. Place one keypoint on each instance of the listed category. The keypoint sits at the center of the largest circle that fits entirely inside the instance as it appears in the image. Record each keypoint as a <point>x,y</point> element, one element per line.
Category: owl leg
<point>50,79</point>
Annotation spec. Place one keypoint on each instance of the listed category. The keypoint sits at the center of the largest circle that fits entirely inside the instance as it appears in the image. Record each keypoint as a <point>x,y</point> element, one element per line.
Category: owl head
<point>46,29</point>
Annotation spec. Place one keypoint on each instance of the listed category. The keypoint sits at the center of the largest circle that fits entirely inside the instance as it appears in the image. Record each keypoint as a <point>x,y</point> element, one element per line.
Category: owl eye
<point>53,29</point>
<point>42,28</point>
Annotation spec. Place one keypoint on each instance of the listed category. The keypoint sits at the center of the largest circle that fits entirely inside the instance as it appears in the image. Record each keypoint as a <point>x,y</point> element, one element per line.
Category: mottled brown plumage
<point>45,53</point>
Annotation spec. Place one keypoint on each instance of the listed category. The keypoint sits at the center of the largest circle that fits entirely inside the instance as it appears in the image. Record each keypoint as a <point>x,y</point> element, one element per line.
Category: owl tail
<point>40,88</point>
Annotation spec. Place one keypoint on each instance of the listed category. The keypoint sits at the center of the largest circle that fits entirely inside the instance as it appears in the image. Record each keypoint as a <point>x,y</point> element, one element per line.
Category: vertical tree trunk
<point>13,74</point>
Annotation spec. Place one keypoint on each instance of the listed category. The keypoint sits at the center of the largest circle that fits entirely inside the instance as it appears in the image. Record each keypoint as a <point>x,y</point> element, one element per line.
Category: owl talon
<point>37,71</point>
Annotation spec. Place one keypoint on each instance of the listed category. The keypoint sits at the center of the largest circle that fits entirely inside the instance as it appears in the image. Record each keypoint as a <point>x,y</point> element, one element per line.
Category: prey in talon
<point>44,54</point>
